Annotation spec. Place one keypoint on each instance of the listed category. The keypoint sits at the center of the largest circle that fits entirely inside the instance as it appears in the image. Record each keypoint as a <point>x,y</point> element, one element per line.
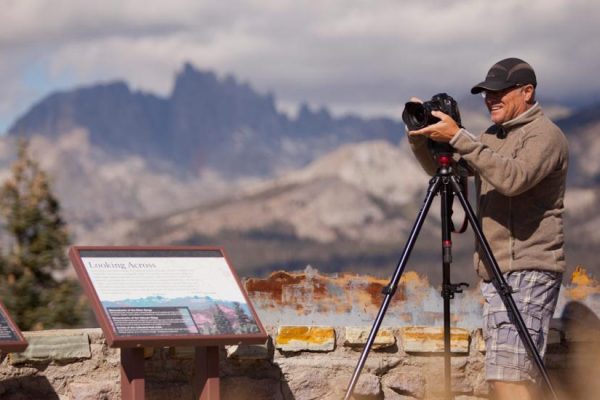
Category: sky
<point>360,56</point>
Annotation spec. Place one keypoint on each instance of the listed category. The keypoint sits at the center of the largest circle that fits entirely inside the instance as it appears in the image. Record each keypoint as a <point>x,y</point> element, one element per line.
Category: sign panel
<point>11,338</point>
<point>166,296</point>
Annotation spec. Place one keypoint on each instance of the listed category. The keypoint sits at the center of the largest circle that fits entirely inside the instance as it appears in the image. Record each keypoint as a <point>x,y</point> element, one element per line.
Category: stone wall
<point>317,327</point>
<point>298,362</point>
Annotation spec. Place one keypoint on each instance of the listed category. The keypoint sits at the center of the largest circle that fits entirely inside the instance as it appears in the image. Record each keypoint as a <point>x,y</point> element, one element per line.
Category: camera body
<point>418,115</point>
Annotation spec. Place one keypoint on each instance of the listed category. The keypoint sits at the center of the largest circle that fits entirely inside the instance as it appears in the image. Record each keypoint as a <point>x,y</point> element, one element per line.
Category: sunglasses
<point>499,93</point>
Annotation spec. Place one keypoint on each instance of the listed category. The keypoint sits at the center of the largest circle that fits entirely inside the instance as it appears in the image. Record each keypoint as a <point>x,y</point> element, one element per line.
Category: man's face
<point>507,104</point>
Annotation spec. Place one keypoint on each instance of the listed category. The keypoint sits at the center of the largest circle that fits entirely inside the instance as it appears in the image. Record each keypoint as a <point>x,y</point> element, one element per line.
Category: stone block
<point>313,376</point>
<point>429,339</point>
<point>305,338</point>
<point>46,346</point>
<point>357,337</point>
<point>575,331</point>
<point>148,352</point>
<point>410,383</point>
<point>244,388</point>
<point>94,390</point>
<point>389,394</point>
<point>478,341</point>
<point>250,351</point>
<point>554,336</point>
<point>368,386</point>
<point>182,353</point>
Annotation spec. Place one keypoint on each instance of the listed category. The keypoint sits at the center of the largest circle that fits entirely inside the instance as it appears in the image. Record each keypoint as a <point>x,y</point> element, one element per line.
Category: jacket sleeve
<point>418,145</point>
<point>536,155</point>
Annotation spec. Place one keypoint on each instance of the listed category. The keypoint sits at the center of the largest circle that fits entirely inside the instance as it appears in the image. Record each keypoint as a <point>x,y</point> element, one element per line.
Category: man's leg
<point>508,365</point>
<point>515,390</point>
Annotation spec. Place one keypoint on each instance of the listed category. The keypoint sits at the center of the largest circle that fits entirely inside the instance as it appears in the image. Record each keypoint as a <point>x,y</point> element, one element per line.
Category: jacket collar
<point>524,118</point>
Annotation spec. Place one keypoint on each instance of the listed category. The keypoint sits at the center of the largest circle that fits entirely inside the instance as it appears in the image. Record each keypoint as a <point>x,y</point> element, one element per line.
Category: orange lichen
<point>313,335</point>
<point>427,333</point>
<point>583,285</point>
<point>414,278</point>
<point>274,284</point>
<point>310,291</point>
<point>580,277</point>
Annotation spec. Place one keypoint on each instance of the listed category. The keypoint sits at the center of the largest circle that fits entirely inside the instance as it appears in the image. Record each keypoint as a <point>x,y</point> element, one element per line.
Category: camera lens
<point>415,115</point>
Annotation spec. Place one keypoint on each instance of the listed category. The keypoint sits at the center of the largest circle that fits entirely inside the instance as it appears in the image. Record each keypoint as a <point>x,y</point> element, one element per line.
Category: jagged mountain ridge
<point>335,214</point>
<point>350,210</point>
<point>205,122</point>
<point>343,194</point>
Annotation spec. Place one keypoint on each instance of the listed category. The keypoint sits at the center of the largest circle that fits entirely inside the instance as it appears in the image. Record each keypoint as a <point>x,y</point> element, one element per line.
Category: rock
<point>243,388</point>
<point>389,394</point>
<point>368,385</point>
<point>94,390</point>
<point>406,382</point>
<point>358,336</point>
<point>305,338</point>
<point>250,351</point>
<point>430,339</point>
<point>49,346</point>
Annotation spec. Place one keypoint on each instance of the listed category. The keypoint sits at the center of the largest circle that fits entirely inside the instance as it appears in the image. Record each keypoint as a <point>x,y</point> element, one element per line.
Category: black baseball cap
<point>507,73</point>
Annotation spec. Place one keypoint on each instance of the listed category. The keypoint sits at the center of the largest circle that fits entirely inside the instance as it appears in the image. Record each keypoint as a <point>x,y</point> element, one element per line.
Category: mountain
<point>101,192</point>
<point>350,210</point>
<point>215,163</point>
<point>342,195</point>
<point>205,123</point>
<point>582,129</point>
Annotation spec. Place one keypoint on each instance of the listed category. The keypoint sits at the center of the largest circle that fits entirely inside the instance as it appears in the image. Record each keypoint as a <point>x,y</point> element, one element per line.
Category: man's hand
<point>442,131</point>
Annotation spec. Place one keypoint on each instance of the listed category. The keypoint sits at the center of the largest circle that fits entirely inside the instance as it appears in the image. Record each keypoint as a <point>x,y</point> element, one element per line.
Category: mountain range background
<point>216,163</point>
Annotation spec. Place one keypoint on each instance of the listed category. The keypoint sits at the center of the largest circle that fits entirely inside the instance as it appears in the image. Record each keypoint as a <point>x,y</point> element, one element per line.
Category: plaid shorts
<point>535,294</point>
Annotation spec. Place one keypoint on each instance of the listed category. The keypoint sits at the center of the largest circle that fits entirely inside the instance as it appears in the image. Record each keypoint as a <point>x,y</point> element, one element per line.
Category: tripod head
<point>447,166</point>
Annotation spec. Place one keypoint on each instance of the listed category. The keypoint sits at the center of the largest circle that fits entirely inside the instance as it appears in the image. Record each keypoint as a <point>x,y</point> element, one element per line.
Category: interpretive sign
<point>166,296</point>
<point>11,338</point>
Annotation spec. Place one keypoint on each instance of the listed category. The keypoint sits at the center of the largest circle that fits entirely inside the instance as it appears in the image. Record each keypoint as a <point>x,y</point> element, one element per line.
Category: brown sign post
<point>11,338</point>
<point>167,296</point>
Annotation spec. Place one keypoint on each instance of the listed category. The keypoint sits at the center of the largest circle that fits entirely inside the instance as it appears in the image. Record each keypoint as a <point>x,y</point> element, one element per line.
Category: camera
<point>418,115</point>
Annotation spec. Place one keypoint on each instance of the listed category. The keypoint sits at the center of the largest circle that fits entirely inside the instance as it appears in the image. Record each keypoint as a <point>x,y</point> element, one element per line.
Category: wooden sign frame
<point>12,345</point>
<point>78,253</point>
<point>122,319</point>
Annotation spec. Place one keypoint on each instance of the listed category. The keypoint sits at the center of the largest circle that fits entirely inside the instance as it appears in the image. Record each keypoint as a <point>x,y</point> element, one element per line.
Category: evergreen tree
<point>246,324</point>
<point>38,239</point>
<point>223,325</point>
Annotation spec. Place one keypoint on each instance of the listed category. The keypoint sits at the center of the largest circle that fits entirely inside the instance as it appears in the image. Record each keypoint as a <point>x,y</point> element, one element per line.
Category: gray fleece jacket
<point>520,176</point>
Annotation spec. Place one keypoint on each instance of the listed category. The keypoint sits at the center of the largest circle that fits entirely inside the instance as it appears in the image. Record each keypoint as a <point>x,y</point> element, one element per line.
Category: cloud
<point>346,54</point>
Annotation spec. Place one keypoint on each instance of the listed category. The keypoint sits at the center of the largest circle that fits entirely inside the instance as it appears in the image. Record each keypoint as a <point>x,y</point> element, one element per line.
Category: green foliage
<point>35,255</point>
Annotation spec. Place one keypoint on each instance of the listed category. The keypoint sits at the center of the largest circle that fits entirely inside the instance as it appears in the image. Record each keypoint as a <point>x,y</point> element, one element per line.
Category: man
<point>520,166</point>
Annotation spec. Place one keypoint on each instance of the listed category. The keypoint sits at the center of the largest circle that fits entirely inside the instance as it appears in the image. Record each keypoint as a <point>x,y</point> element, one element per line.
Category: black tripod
<point>447,183</point>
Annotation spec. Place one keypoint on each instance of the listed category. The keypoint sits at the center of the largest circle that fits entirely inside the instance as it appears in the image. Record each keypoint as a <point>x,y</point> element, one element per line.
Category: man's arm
<point>537,156</point>
<point>418,145</point>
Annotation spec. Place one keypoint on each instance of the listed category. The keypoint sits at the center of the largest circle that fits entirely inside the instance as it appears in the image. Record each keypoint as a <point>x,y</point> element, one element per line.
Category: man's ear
<point>529,91</point>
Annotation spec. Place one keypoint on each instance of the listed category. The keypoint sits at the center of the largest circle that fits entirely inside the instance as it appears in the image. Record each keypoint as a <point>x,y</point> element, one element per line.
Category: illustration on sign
<point>157,296</point>
<point>6,331</point>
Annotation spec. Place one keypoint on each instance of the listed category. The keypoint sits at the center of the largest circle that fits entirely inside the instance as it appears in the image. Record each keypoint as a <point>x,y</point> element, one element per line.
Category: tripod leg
<point>447,293</point>
<point>503,288</point>
<point>389,290</point>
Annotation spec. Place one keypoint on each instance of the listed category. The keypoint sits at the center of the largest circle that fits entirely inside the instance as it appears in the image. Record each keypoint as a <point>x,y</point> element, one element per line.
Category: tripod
<point>446,182</point>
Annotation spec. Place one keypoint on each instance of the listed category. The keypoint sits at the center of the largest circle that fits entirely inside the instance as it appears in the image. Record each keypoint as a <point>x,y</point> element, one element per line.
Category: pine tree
<point>36,253</point>
<point>223,325</point>
<point>246,324</point>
